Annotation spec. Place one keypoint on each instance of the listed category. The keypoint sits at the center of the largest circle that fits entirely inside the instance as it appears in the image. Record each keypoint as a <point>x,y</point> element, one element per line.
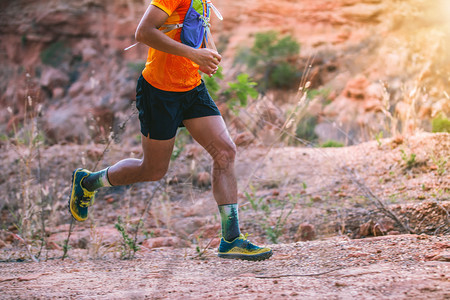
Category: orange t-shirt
<point>166,71</point>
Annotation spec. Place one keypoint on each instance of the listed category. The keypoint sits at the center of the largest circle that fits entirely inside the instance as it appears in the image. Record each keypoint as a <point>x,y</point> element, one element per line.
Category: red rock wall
<point>404,43</point>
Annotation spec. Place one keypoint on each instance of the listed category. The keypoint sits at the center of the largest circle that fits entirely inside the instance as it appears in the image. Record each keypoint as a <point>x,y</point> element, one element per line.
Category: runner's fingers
<point>208,70</point>
<point>211,70</point>
<point>215,62</point>
<point>211,64</point>
<point>217,56</point>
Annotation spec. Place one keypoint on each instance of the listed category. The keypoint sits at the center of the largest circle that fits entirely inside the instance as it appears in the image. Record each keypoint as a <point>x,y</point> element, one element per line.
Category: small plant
<point>332,144</point>
<point>201,251</point>
<point>378,138</point>
<point>410,160</point>
<point>148,234</point>
<point>393,199</point>
<point>273,229</point>
<point>66,247</point>
<point>257,204</point>
<point>239,91</point>
<point>212,83</point>
<point>129,246</point>
<point>441,164</point>
<point>440,124</point>
<point>180,142</point>
<point>28,197</point>
<point>96,245</point>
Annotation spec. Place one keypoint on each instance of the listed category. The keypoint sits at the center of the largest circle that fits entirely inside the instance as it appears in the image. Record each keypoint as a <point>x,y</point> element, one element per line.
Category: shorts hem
<point>203,115</point>
<point>157,138</point>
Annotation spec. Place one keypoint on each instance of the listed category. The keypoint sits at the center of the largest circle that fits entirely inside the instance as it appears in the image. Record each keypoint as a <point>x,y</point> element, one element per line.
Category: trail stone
<point>305,232</point>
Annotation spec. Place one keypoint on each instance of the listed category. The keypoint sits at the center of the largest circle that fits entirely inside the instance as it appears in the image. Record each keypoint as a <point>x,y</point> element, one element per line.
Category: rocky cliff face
<point>383,61</point>
<point>69,57</point>
<point>372,54</point>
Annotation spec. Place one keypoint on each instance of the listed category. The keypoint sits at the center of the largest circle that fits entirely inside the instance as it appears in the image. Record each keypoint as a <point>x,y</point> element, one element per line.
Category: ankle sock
<point>96,180</point>
<point>230,221</point>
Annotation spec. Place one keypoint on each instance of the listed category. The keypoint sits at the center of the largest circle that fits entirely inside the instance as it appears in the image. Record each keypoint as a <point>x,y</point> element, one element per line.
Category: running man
<point>170,94</point>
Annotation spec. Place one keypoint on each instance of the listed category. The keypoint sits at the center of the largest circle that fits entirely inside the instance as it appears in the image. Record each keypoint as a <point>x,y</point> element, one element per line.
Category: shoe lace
<point>245,241</point>
<point>85,201</point>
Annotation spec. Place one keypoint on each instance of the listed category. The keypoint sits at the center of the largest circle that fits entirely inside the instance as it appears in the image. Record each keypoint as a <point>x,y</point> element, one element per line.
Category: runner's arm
<point>148,33</point>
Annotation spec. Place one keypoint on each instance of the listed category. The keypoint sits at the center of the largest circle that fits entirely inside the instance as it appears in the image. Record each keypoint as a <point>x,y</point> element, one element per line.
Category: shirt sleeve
<point>168,6</point>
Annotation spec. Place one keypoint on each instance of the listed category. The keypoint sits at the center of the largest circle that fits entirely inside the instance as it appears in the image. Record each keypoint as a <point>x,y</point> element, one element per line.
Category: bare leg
<point>152,167</point>
<point>212,134</point>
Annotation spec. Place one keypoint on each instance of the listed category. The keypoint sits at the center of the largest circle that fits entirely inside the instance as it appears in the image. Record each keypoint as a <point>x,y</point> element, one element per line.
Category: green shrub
<point>440,124</point>
<point>271,59</point>
<point>212,83</point>
<point>332,144</point>
<point>305,128</point>
<point>55,54</point>
<point>128,247</point>
<point>282,75</point>
<point>323,92</point>
<point>269,47</point>
<point>239,91</point>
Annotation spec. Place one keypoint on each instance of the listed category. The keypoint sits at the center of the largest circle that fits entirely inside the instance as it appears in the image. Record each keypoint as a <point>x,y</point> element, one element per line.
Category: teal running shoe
<point>80,198</point>
<point>241,248</point>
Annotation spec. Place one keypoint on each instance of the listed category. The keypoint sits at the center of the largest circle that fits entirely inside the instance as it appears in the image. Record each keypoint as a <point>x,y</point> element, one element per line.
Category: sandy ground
<point>332,266</point>
<point>400,267</point>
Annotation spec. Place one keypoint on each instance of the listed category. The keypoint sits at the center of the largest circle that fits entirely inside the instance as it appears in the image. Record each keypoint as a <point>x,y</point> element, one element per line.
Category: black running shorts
<point>162,112</point>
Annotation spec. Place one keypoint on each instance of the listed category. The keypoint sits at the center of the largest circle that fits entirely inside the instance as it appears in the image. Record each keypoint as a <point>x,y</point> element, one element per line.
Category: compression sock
<point>96,180</point>
<point>230,221</point>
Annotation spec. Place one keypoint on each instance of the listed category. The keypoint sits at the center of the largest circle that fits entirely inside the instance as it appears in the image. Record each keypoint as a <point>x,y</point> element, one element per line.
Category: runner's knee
<point>225,156</point>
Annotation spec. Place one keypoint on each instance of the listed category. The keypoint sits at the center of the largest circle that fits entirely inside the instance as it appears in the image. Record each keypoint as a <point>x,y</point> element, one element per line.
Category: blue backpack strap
<point>200,35</point>
<point>195,24</point>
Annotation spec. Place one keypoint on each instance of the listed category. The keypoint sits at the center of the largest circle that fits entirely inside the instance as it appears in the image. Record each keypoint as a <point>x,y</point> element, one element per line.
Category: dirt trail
<point>331,267</point>
<point>405,266</point>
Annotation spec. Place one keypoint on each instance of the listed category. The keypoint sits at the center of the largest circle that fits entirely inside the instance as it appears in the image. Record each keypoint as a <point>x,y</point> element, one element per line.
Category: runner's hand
<point>207,59</point>
<point>205,70</point>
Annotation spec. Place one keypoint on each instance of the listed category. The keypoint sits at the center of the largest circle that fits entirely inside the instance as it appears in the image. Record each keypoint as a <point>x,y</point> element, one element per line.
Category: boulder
<point>244,139</point>
<point>65,124</point>
<point>186,226</point>
<point>202,180</point>
<point>305,232</point>
<point>357,109</point>
<point>52,78</point>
